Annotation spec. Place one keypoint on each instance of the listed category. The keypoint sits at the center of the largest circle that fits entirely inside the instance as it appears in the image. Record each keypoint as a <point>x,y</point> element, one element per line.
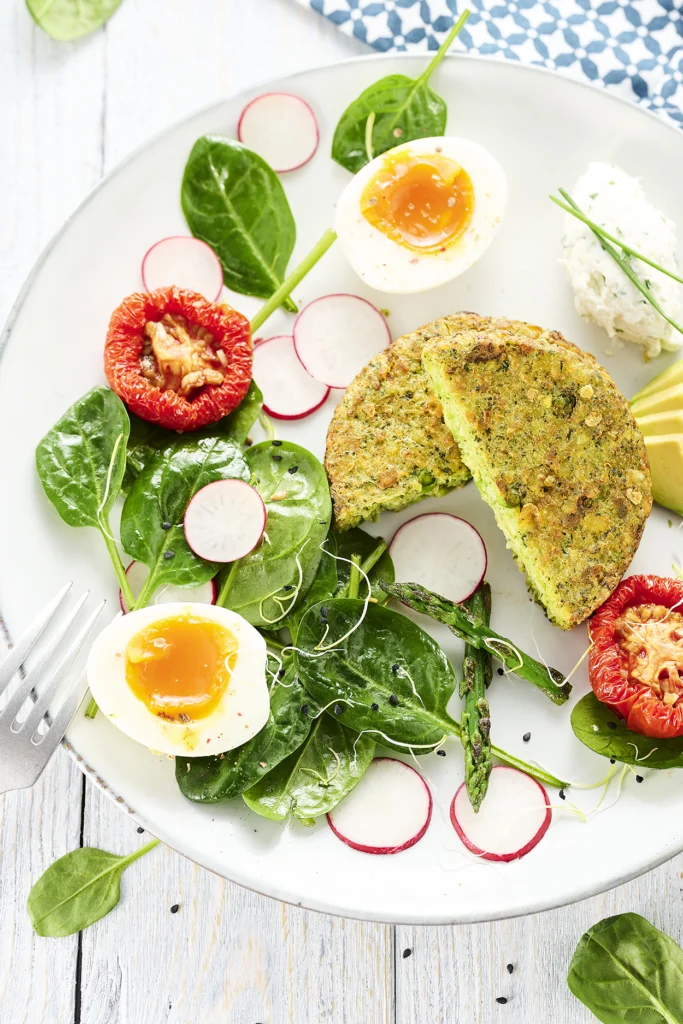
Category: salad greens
<point>374,560</point>
<point>395,110</point>
<point>235,202</point>
<point>604,732</point>
<point>210,779</point>
<point>78,889</point>
<point>70,19</point>
<point>628,972</point>
<point>81,462</point>
<point>475,722</point>
<point>152,519</point>
<point>267,584</point>
<point>313,780</point>
<point>323,588</point>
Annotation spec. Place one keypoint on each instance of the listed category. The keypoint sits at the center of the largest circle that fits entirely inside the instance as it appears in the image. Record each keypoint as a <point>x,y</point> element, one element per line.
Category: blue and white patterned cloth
<point>634,47</point>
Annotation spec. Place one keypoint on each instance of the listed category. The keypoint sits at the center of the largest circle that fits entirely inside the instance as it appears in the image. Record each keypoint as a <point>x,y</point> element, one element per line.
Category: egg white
<point>241,713</point>
<point>390,267</point>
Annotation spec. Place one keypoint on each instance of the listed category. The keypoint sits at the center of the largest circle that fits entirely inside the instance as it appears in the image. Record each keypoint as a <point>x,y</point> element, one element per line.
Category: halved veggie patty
<point>177,359</point>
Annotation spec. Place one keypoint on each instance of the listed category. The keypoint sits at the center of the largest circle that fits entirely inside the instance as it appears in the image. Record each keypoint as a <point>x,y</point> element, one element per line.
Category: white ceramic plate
<point>544,130</point>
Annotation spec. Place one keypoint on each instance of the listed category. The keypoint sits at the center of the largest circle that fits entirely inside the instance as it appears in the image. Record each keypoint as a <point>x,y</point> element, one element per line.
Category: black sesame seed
<point>441,753</point>
<point>169,554</point>
<point>395,668</point>
<point>276,458</point>
<point>338,709</point>
<point>510,968</point>
<point>140,830</point>
<point>288,586</point>
<point>375,707</point>
<point>277,443</point>
<point>293,469</point>
<point>393,700</point>
<point>500,672</point>
<point>612,760</point>
<point>563,795</point>
<point>526,737</point>
<point>611,725</point>
<point>407,953</point>
<point>639,778</point>
<point>166,525</point>
<point>501,999</point>
<point>304,709</point>
<point>280,674</point>
<point>323,613</point>
<point>175,908</point>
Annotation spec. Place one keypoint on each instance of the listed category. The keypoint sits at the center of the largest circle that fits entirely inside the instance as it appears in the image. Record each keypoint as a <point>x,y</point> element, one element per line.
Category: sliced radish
<point>513,818</point>
<point>336,336</point>
<point>183,261</point>
<point>442,552</point>
<point>281,128</point>
<point>225,520</point>
<point>137,573</point>
<point>388,811</point>
<point>289,392</point>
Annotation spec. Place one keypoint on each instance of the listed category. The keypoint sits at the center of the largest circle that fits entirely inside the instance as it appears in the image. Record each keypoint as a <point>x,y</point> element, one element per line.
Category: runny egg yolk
<point>424,202</point>
<point>180,667</point>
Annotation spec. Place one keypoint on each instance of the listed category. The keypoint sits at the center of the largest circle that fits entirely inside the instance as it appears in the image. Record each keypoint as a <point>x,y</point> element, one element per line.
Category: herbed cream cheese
<point>603,293</point>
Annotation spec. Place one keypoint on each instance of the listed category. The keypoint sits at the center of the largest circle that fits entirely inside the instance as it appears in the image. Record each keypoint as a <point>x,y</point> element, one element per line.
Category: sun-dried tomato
<point>636,658</point>
<point>207,403</point>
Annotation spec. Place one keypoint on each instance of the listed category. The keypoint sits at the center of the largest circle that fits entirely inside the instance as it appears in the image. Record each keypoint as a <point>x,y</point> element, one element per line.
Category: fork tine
<point>60,723</point>
<point>26,641</point>
<point>41,705</point>
<point>14,704</point>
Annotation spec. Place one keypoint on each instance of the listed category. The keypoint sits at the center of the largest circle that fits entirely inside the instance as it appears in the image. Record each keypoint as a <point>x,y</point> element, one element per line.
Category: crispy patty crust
<point>555,451</point>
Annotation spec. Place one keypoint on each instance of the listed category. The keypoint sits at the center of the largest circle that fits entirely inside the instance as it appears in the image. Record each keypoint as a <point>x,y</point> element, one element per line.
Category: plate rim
<point>283,895</point>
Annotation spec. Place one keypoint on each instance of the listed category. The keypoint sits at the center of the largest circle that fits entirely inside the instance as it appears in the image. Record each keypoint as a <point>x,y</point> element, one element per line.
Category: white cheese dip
<point>604,295</point>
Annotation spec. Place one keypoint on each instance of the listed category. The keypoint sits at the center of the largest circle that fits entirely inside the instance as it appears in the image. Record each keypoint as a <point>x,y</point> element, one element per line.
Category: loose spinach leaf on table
<point>210,779</point>
<point>313,780</point>
<point>267,584</point>
<point>604,732</point>
<point>628,972</point>
<point>235,202</point>
<point>160,495</point>
<point>358,542</point>
<point>78,889</point>
<point>71,19</point>
<point>395,110</point>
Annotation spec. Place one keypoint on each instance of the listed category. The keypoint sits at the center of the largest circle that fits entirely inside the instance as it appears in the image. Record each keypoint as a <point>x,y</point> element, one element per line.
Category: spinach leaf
<point>210,779</point>
<point>71,19</point>
<point>387,662</point>
<point>395,110</point>
<point>358,542</point>
<point>237,424</point>
<point>604,732</point>
<point>160,496</point>
<point>81,462</point>
<point>268,583</point>
<point>235,202</point>
<point>78,889</point>
<point>323,588</point>
<point>316,777</point>
<point>628,972</point>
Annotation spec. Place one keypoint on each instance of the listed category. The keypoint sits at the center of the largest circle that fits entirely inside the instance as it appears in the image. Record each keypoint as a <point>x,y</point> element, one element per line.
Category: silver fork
<point>25,749</point>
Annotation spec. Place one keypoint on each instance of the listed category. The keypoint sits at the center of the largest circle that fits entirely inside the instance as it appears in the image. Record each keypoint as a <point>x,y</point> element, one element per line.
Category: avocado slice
<point>665,453</point>
<point>668,400</point>
<point>658,423</point>
<point>666,379</point>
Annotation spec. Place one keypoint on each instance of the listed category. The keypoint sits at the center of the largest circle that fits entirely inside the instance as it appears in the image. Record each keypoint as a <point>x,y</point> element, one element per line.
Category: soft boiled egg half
<point>184,679</point>
<point>421,214</point>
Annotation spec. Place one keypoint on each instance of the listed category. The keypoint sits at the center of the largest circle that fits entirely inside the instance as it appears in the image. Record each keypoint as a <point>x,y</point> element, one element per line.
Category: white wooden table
<point>68,114</point>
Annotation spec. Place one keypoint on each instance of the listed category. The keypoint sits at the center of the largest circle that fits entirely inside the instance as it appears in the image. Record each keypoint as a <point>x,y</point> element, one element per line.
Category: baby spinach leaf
<point>237,424</point>
<point>358,542</point>
<point>387,662</point>
<point>395,110</point>
<point>323,588</point>
<point>604,732</point>
<point>78,889</point>
<point>160,496</point>
<point>628,972</point>
<point>316,777</point>
<point>235,202</point>
<point>71,19</point>
<point>210,779</point>
<point>267,584</point>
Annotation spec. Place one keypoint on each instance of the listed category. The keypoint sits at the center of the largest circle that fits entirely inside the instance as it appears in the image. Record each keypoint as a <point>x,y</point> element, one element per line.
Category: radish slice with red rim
<point>441,552</point>
<point>337,335</point>
<point>225,520</point>
<point>185,262</point>
<point>289,392</point>
<point>513,818</point>
<point>137,573</point>
<point>388,811</point>
<point>281,128</point>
